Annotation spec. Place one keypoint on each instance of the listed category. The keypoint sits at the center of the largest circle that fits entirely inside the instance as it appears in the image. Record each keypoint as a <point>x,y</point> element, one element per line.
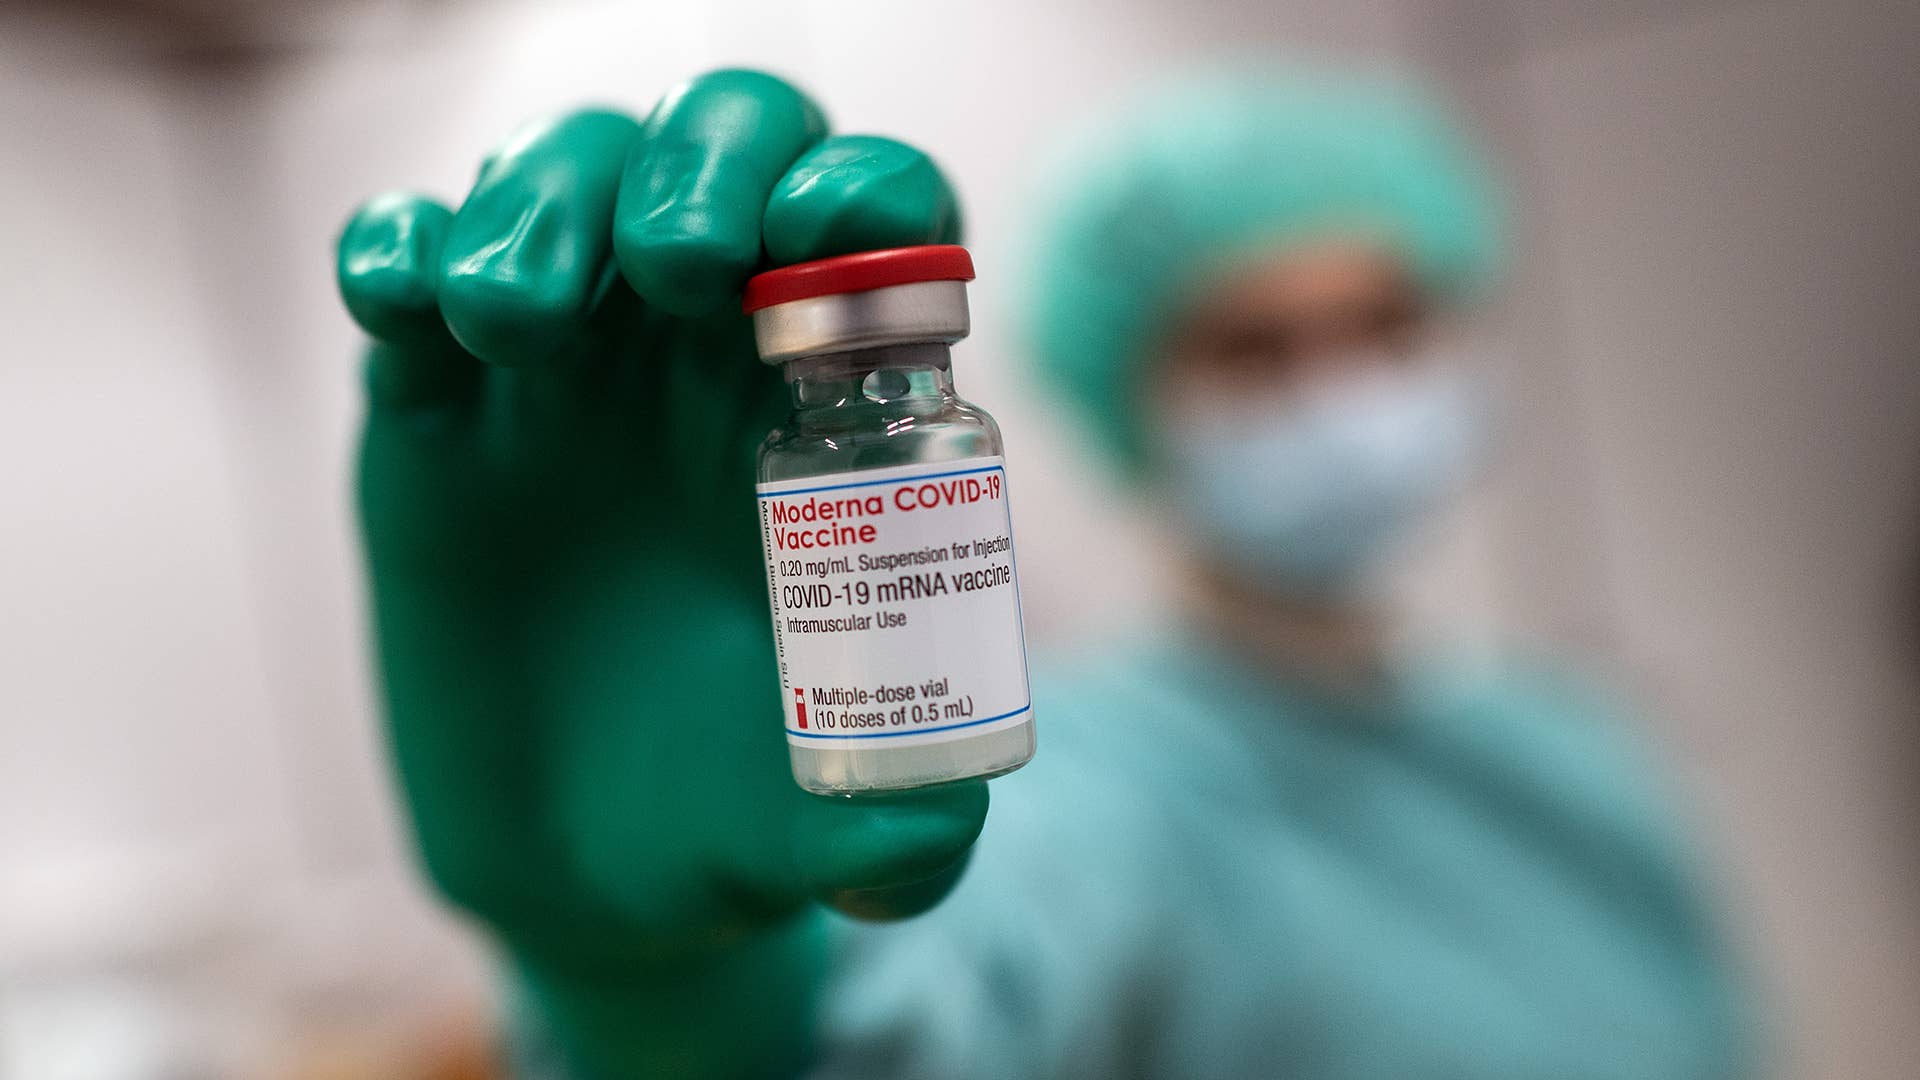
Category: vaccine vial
<point>885,523</point>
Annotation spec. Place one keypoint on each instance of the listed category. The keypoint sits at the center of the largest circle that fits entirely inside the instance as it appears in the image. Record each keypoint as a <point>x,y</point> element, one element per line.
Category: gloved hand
<point>556,488</point>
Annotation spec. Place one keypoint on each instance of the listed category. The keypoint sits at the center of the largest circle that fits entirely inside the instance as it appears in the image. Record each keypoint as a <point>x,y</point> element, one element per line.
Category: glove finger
<point>387,264</point>
<point>898,901</point>
<point>688,230</point>
<point>528,257</point>
<point>879,854</point>
<point>858,193</point>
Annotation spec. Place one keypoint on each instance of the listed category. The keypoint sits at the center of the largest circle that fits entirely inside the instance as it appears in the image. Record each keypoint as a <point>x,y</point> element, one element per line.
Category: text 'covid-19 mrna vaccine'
<point>885,522</point>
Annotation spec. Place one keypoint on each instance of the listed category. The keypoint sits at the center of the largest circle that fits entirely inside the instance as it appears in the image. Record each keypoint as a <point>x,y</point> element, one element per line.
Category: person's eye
<point>1395,322</point>
<point>1257,347</point>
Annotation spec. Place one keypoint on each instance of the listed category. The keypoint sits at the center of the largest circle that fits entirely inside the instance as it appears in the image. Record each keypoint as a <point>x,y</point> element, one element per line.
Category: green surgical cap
<point>1211,169</point>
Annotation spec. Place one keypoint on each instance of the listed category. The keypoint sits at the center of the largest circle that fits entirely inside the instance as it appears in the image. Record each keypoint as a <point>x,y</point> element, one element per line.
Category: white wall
<point>168,894</point>
<point>129,633</point>
<point>1712,324</point>
<point>1727,200</point>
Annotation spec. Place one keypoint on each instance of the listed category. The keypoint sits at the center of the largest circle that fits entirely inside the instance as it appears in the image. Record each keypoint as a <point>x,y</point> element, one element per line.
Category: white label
<point>896,608</point>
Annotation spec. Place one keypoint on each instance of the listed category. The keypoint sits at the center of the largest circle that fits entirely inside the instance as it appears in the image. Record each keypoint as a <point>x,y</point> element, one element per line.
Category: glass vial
<point>884,520</point>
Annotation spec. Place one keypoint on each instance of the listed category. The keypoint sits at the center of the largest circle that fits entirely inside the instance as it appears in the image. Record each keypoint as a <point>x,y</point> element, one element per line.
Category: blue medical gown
<point>1210,872</point>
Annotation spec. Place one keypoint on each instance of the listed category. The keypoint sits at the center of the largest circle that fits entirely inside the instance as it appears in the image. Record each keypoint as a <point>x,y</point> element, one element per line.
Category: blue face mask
<point>1306,492</point>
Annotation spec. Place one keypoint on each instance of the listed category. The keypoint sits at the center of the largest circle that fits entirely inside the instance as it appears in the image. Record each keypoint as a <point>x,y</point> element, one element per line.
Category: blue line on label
<point>870,483</point>
<point>1028,707</point>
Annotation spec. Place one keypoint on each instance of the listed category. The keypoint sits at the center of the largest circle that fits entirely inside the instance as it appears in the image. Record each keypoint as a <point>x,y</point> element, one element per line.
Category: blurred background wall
<point>1711,487</point>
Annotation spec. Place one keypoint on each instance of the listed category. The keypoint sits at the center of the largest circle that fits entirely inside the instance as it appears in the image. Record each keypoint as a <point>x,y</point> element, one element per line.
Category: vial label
<point>896,605</point>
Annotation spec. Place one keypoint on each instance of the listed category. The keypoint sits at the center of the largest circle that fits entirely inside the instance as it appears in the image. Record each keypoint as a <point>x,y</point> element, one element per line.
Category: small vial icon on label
<point>885,522</point>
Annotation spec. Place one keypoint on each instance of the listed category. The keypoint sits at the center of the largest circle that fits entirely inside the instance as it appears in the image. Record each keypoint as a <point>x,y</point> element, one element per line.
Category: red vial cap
<point>857,273</point>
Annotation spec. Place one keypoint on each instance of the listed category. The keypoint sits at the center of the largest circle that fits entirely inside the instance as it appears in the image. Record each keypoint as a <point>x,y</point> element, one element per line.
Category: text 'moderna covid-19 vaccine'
<point>885,523</point>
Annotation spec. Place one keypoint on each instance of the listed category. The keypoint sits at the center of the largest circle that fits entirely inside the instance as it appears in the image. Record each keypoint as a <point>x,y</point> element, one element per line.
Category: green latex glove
<point>556,487</point>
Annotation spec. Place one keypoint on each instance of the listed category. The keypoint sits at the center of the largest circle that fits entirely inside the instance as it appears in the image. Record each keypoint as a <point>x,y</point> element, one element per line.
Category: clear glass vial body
<point>873,408</point>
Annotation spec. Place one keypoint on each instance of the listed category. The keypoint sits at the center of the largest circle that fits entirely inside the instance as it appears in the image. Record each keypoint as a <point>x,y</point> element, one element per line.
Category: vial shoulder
<point>956,430</point>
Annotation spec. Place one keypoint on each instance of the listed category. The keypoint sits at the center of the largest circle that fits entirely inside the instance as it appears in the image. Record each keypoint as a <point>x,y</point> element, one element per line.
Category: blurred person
<point>1258,841</point>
